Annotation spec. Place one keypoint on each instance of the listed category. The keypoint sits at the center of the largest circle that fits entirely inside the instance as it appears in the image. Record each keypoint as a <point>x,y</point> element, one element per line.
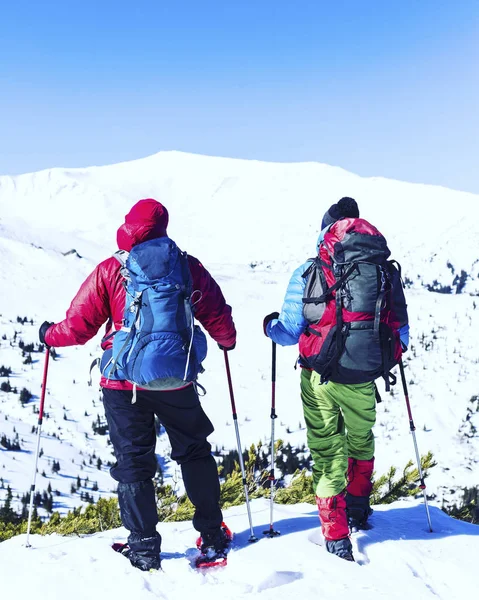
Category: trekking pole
<point>252,538</point>
<point>413,432</point>
<point>39,433</point>
<point>271,531</point>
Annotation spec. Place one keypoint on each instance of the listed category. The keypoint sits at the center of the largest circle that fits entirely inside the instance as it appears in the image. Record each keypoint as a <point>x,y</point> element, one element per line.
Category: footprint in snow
<point>279,578</point>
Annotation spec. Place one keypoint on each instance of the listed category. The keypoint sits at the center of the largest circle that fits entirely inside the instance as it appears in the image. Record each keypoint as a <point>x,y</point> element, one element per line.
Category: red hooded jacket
<point>101,297</point>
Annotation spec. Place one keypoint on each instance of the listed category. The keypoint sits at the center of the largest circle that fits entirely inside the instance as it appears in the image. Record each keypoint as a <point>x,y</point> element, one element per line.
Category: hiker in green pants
<point>347,310</point>
<point>339,419</point>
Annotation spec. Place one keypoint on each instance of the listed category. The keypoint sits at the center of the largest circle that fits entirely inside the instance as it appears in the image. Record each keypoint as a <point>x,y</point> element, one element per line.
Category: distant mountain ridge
<point>247,211</point>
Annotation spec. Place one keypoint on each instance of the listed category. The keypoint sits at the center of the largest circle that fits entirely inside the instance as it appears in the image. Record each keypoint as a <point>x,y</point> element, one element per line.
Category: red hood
<point>148,219</point>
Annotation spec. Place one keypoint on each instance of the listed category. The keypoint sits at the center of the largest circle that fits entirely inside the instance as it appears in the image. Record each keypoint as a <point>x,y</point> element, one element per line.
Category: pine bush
<point>104,515</point>
<point>388,488</point>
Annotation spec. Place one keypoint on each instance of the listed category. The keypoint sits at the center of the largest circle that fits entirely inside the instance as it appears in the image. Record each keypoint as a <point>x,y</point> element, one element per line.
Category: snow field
<point>396,559</point>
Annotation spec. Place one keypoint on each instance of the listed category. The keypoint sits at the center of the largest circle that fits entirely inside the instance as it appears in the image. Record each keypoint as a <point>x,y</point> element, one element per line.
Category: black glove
<point>267,319</point>
<point>227,348</point>
<point>43,330</point>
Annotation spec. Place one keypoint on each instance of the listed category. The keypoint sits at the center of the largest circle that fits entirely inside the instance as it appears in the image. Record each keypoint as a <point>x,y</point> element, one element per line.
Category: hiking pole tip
<point>271,532</point>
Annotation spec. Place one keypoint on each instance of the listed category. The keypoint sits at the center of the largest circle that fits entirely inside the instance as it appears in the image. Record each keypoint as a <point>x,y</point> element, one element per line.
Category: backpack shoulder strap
<point>393,266</point>
<point>122,256</point>
<point>186,273</point>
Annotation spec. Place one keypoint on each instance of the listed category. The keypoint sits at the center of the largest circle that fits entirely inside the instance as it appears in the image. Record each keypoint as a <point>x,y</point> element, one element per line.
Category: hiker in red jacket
<point>101,299</point>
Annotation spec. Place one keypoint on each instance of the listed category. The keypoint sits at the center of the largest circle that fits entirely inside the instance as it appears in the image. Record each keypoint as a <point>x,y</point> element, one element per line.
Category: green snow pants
<point>339,420</point>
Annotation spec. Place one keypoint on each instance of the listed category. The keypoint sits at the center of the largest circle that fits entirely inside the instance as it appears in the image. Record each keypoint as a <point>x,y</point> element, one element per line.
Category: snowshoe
<point>341,548</point>
<point>214,548</point>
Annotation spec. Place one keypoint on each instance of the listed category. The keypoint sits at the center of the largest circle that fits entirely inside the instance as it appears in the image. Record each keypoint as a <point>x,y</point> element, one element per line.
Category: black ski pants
<point>133,435</point>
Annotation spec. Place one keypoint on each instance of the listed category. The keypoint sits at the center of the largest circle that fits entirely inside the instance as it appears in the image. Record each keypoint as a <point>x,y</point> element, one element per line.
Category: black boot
<point>138,514</point>
<point>358,511</point>
<point>342,548</point>
<point>143,552</point>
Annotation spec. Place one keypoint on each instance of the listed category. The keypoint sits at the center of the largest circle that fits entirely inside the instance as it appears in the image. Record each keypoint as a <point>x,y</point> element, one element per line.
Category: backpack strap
<point>389,379</point>
<point>310,268</point>
<point>339,310</point>
<point>377,394</point>
<point>188,292</point>
<point>109,336</point>
<point>398,267</point>
<point>185,271</point>
<point>333,288</point>
<point>121,256</point>
<point>377,314</point>
<point>137,302</point>
<point>342,329</point>
<point>314,263</point>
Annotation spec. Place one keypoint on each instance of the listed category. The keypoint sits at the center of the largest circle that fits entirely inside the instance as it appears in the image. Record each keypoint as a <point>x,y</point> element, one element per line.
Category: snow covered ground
<point>398,558</point>
<point>251,223</point>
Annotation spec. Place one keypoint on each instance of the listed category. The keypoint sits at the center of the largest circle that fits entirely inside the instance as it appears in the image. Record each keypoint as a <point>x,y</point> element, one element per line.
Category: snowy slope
<point>251,223</point>
<point>396,559</point>
<point>274,210</point>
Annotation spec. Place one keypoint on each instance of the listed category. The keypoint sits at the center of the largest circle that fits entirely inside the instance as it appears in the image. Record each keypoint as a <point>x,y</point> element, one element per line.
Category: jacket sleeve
<point>404,336</point>
<point>87,313</point>
<point>210,306</point>
<point>287,330</point>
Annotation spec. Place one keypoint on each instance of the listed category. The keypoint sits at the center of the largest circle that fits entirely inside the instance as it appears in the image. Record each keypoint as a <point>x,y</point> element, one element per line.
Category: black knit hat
<point>346,207</point>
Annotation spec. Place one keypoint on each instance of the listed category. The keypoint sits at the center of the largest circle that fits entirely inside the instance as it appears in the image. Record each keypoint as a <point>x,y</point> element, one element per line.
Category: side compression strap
<point>130,335</point>
<point>314,263</point>
<point>333,288</point>
<point>377,314</point>
<point>389,380</point>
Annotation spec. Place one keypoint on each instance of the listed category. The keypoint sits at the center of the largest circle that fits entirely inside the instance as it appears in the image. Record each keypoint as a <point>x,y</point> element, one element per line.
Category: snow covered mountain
<point>274,211</point>
<point>251,223</point>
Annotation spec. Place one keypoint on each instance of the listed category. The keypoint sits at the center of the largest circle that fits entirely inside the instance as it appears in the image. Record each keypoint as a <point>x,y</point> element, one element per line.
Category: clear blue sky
<point>388,88</point>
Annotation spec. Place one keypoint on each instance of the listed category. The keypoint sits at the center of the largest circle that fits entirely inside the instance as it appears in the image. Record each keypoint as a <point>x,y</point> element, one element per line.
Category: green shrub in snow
<point>104,514</point>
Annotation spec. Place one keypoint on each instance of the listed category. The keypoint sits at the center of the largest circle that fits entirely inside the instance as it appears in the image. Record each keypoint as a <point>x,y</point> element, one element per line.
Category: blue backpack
<point>158,347</point>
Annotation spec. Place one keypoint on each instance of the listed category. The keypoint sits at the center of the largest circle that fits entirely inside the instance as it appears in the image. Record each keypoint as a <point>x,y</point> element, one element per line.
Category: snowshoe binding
<point>214,548</point>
